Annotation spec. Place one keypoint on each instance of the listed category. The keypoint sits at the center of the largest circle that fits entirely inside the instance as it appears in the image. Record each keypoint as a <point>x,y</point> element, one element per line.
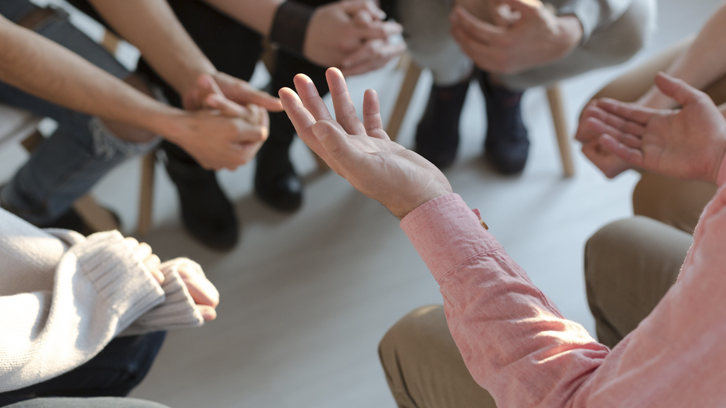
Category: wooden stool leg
<point>148,168</point>
<point>413,72</point>
<point>97,217</point>
<point>554,96</point>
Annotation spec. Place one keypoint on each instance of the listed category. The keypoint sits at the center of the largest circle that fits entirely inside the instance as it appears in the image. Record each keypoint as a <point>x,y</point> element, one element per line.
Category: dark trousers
<point>235,49</point>
<point>114,372</point>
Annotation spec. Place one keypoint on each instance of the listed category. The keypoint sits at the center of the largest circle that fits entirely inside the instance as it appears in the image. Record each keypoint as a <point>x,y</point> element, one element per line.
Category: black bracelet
<point>290,26</point>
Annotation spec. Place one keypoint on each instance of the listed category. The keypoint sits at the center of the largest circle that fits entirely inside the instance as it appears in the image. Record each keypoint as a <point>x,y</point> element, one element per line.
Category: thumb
<point>678,89</point>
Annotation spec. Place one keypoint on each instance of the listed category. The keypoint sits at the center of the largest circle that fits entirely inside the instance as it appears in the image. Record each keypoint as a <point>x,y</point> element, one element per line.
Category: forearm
<point>702,64</point>
<point>152,27</point>
<point>40,67</point>
<point>513,340</point>
<point>99,288</point>
<point>256,14</point>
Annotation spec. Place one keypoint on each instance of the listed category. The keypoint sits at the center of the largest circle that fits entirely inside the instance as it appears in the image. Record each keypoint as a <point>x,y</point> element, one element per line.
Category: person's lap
<point>114,372</point>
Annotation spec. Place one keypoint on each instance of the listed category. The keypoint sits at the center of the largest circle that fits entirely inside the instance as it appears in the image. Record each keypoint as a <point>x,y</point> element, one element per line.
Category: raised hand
<point>362,153</point>
<point>689,143</point>
<point>506,46</point>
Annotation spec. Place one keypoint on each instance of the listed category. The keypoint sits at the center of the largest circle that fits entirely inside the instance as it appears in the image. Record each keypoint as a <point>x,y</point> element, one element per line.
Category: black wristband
<point>291,25</point>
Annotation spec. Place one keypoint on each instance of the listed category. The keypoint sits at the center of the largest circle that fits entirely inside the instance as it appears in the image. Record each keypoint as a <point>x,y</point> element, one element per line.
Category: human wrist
<point>290,25</point>
<point>569,32</point>
<point>401,210</point>
<point>174,125</point>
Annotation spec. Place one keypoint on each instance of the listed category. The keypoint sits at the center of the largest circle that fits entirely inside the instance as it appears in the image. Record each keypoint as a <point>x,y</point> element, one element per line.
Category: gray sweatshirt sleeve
<point>594,14</point>
<point>76,303</point>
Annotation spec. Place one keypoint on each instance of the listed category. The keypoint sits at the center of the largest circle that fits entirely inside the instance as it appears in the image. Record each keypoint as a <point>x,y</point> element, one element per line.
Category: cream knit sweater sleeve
<point>63,298</point>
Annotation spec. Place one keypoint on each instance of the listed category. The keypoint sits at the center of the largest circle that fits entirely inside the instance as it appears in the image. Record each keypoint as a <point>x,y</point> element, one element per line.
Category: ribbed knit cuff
<point>179,309</point>
<point>118,277</point>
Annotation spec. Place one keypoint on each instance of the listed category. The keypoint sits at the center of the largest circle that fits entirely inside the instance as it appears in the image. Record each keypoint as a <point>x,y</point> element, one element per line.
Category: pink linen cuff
<point>446,233</point>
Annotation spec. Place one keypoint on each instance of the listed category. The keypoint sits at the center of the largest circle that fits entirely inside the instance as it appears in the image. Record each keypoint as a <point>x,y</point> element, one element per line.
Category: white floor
<point>307,297</point>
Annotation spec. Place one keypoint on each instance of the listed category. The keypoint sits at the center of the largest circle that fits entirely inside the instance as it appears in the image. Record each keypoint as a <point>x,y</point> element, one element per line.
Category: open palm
<point>689,143</point>
<point>362,152</point>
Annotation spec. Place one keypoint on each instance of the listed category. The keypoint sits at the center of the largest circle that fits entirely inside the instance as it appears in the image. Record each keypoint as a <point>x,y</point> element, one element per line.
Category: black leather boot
<point>207,213</point>
<point>507,141</point>
<point>437,135</point>
<point>276,182</point>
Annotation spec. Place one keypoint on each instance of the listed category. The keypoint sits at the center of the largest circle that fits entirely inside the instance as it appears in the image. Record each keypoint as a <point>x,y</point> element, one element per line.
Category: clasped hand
<point>202,291</point>
<point>526,36</point>
<point>228,123</point>
<point>352,35</point>
<point>362,152</point>
<point>687,143</point>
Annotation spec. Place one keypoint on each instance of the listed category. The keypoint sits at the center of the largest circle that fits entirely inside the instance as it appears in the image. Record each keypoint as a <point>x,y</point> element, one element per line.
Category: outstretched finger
<point>372,116</point>
<point>629,111</point>
<point>623,125</point>
<point>343,104</point>
<point>339,153</point>
<point>599,127</point>
<point>631,156</point>
<point>678,89</point>
<point>301,118</point>
<point>310,97</point>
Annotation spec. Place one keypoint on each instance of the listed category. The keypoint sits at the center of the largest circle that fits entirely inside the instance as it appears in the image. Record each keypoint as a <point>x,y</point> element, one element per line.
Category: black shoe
<point>507,142</point>
<point>207,213</point>
<point>437,134</point>
<point>276,182</point>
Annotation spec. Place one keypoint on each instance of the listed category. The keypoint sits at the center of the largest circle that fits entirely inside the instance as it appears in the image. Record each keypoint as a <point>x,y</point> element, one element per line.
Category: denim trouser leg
<point>78,154</point>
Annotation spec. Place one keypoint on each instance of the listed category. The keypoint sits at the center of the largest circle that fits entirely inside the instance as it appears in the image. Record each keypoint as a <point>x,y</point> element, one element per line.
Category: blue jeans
<point>114,372</point>
<point>80,152</point>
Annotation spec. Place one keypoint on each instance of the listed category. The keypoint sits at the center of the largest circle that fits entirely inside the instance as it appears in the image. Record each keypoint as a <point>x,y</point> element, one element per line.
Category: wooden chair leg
<point>97,217</point>
<point>413,72</point>
<point>554,96</point>
<point>148,169</point>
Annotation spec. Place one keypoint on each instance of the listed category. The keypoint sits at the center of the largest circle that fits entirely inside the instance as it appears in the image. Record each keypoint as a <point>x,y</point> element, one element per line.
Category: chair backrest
<point>16,125</point>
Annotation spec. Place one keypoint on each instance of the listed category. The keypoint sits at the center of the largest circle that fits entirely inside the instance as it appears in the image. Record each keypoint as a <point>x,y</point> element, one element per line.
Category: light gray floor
<point>306,297</point>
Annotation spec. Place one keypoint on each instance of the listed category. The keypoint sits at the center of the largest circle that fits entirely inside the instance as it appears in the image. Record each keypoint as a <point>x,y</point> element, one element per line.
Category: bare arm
<point>703,62</point>
<point>41,67</point>
<point>152,27</point>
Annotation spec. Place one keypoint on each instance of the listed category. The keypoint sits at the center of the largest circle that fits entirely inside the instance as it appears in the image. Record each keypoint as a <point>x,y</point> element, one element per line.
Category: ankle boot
<point>276,182</point>
<point>437,134</point>
<point>507,142</point>
<point>207,213</point>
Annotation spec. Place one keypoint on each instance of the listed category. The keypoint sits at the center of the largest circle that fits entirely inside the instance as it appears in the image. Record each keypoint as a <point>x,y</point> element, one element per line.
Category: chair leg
<point>96,217</point>
<point>554,96</point>
<point>148,169</point>
<point>410,80</point>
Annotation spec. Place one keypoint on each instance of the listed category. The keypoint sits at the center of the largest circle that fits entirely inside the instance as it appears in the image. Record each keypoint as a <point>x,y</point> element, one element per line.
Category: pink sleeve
<point>517,345</point>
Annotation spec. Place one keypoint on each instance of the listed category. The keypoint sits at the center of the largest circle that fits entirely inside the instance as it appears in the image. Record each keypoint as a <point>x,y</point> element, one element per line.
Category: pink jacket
<point>518,346</point>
